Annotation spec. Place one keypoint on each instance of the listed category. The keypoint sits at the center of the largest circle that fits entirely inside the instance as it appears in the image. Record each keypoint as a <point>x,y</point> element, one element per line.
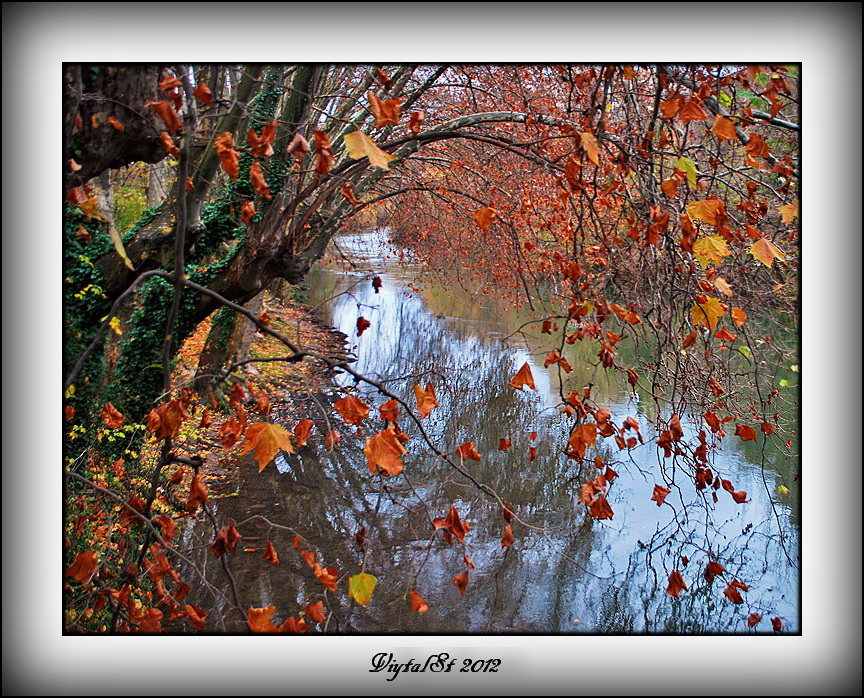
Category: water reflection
<point>566,572</point>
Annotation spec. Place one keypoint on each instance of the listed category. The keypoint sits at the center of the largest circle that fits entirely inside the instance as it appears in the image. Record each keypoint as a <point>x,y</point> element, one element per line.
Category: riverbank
<point>287,385</point>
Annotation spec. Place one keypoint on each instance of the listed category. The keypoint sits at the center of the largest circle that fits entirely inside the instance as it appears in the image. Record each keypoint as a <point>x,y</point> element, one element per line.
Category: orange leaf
<point>669,108</point>
<point>384,452</point>
<point>70,413</point>
<point>385,111</point>
<point>229,157</point>
<point>267,440</point>
<point>659,495</point>
<point>507,538</point>
<point>589,145</point>
<point>723,286</point>
<point>166,112</point>
<point>197,495</point>
<point>256,177</point>
<point>327,576</point>
<point>417,603</point>
<point>324,151</point>
<point>247,213</point>
<point>332,439</point>
<point>689,340</point>
<point>484,217</point>
<point>731,592</point>
<point>384,78</point>
<point>777,624</point>
<point>726,334</point>
<point>196,617</point>
<point>415,123</point>
<point>229,433</point>
<point>352,409</point>
<point>298,147</point>
<point>83,567</point>
<point>362,325</point>
<point>169,145</point>
<point>600,508</point>
<point>262,145</point>
<point>669,187</point>
<point>350,197</point>
<point>692,111</point>
<point>766,252</point>
<point>552,358</point>
<point>112,418</point>
<point>724,129</point>
<point>202,93</point>
<point>302,431</point>
<point>389,411</point>
<point>583,436</point>
<point>739,317</point>
<point>270,554</point>
<point>753,619</point>
<point>259,621</point>
<point>315,612</point>
<point>504,444</point>
<point>676,584</point>
<point>523,377</point>
<point>451,524</point>
<point>467,451</point>
<point>116,124</point>
<point>744,432</point>
<point>712,570</point>
<point>165,420</point>
<point>426,399</point>
<point>262,403</point>
<point>461,581</point>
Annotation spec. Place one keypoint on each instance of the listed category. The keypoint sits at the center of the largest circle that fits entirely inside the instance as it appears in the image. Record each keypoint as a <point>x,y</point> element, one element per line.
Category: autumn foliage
<point>642,218</point>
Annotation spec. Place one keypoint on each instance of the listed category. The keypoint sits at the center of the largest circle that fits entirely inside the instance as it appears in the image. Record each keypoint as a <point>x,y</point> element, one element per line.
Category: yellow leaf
<point>361,586</point>
<point>267,439</point>
<point>766,252</point>
<point>688,166</point>
<point>115,325</point>
<point>359,145</point>
<point>789,212</point>
<point>711,249</point>
<point>589,145</point>
<point>707,311</point>
<point>705,210</point>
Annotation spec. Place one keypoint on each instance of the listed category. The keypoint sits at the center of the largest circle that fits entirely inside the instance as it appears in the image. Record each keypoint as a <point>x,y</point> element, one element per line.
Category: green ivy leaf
<point>744,350</point>
<point>361,586</point>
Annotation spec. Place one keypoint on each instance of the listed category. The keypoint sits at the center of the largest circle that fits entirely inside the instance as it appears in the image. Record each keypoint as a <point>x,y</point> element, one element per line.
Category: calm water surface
<point>565,572</point>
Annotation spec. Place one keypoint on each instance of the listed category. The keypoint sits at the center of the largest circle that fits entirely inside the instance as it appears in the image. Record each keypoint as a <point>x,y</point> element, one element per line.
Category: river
<point>565,572</point>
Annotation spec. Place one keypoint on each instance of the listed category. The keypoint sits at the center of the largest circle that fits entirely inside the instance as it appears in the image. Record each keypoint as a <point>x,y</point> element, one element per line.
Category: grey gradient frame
<point>824,37</point>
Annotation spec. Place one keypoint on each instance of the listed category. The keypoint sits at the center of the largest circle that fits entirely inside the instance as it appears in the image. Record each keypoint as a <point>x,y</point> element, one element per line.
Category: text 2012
<point>435,663</point>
